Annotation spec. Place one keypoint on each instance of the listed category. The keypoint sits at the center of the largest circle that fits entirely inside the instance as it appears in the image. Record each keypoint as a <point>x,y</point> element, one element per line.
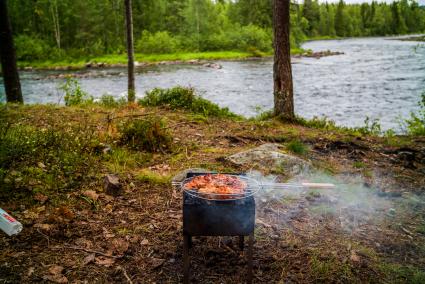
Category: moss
<point>153,178</point>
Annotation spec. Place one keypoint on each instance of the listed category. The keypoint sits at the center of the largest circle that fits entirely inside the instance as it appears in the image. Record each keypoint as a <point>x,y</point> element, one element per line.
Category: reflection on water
<point>376,77</point>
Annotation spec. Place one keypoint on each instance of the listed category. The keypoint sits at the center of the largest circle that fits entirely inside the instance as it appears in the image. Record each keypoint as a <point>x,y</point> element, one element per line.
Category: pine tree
<point>282,73</point>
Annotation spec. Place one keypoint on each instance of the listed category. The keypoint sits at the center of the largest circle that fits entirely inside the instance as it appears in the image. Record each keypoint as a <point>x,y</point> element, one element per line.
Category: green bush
<point>29,48</point>
<point>157,43</point>
<point>110,102</point>
<point>415,125</point>
<point>184,98</point>
<point>150,134</point>
<point>252,36</point>
<point>74,95</point>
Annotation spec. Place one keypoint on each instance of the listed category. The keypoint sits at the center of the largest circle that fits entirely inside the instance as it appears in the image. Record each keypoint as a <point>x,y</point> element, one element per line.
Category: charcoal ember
<point>112,185</point>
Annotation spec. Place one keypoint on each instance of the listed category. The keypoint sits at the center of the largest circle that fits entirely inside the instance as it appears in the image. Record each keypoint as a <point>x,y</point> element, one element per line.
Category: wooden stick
<point>318,185</point>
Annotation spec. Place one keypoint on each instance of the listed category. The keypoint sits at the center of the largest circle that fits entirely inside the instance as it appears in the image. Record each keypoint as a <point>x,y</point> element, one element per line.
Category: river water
<point>377,78</point>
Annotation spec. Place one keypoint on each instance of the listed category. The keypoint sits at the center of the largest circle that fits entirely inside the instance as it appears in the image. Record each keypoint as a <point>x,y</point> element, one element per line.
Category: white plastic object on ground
<point>8,224</point>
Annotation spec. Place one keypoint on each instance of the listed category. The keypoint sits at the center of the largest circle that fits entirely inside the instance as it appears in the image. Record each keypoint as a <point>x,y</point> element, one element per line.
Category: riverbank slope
<point>54,160</point>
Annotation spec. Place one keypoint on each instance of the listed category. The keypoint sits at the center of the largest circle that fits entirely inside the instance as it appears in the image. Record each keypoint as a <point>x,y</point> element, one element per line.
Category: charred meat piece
<point>220,184</point>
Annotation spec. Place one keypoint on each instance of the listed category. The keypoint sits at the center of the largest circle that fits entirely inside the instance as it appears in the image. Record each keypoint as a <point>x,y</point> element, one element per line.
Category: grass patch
<point>397,273</point>
<point>297,147</point>
<point>324,268</point>
<point>359,165</point>
<point>153,178</point>
<point>150,134</point>
<point>185,98</point>
<point>77,63</point>
<point>121,159</point>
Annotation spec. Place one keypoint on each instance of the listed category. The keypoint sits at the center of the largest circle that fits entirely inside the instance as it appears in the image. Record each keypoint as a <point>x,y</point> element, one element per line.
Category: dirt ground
<point>312,237</point>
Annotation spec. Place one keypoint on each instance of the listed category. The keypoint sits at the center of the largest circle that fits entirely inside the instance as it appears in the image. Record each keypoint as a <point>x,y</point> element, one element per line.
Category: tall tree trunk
<point>55,18</point>
<point>282,71</point>
<point>8,58</point>
<point>130,51</point>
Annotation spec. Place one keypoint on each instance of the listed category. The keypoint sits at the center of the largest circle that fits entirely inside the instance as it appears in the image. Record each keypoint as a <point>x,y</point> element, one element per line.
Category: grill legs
<point>249,256</point>
<point>187,244</point>
<point>241,242</point>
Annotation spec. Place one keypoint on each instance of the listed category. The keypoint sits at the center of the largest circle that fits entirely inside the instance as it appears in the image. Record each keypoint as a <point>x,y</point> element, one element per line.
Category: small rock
<point>181,176</point>
<point>41,165</point>
<point>144,242</point>
<point>112,185</point>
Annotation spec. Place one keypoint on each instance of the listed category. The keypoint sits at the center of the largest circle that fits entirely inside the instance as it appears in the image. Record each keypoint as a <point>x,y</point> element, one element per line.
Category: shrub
<point>415,125</point>
<point>74,95</point>
<point>157,43</point>
<point>184,98</point>
<point>44,160</point>
<point>110,102</point>
<point>150,134</point>
<point>29,48</point>
<point>252,36</point>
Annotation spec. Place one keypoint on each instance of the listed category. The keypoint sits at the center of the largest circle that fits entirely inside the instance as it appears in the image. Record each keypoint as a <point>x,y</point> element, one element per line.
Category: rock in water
<point>112,185</point>
<point>181,176</point>
<point>268,157</point>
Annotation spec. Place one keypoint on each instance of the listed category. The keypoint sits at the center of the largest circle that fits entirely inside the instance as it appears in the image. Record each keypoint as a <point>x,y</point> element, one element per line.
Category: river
<point>379,78</point>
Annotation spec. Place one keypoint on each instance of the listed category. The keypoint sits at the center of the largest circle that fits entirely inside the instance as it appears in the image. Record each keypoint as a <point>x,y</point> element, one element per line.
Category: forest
<point>76,29</point>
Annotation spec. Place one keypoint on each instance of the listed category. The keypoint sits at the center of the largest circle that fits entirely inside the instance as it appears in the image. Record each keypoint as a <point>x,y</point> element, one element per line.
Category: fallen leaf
<point>44,227</point>
<point>55,269</point>
<point>120,246</point>
<point>91,194</point>
<point>108,208</point>
<point>354,257</point>
<point>40,197</point>
<point>30,271</point>
<point>82,242</point>
<point>144,242</point>
<point>56,278</point>
<point>157,262</point>
<point>105,261</point>
<point>89,259</point>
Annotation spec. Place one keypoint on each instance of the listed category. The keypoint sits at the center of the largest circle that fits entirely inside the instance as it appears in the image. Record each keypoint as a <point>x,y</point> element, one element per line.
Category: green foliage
<point>157,43</point>
<point>150,134</point>
<point>44,160</point>
<point>396,273</point>
<point>416,123</point>
<point>110,102</point>
<point>28,48</point>
<point>297,147</point>
<point>92,28</point>
<point>253,37</point>
<point>74,95</point>
<point>184,98</point>
<point>371,127</point>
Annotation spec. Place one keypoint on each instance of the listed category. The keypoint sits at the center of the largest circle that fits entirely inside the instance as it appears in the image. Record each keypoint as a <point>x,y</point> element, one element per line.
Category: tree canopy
<point>77,28</point>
